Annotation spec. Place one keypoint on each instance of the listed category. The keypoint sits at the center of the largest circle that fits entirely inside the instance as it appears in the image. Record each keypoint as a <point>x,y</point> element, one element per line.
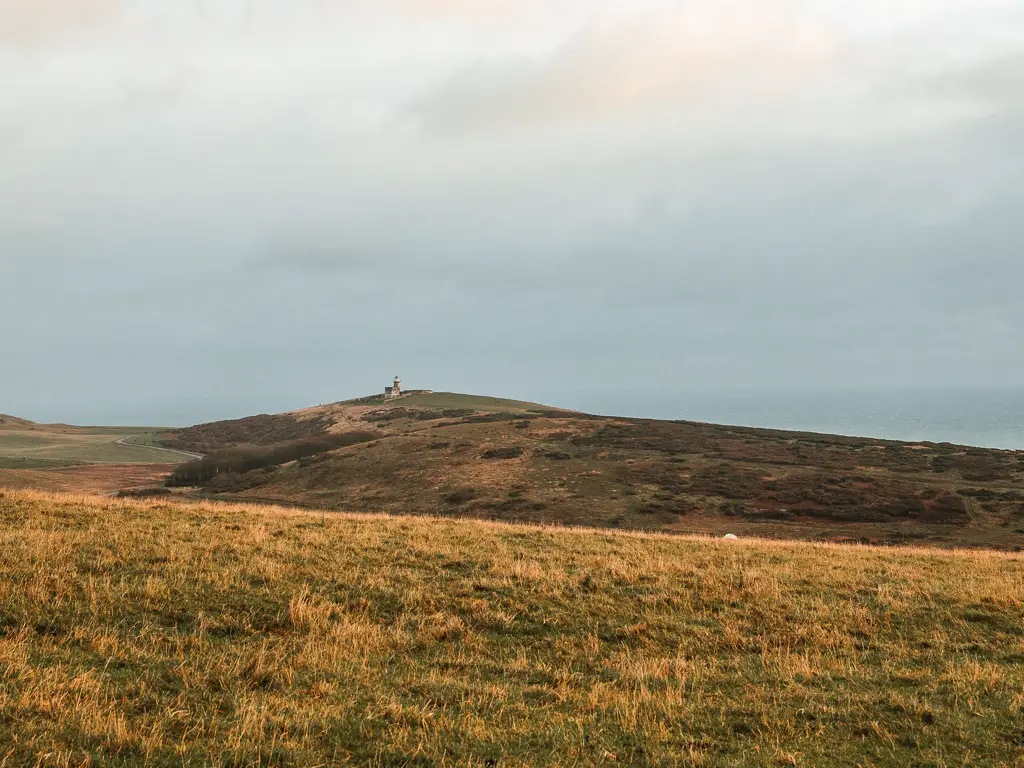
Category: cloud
<point>637,186</point>
<point>308,256</point>
<point>32,22</point>
<point>473,10</point>
<point>629,63</point>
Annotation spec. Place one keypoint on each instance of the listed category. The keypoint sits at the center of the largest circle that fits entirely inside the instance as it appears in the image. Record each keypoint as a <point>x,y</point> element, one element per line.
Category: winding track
<point>121,441</point>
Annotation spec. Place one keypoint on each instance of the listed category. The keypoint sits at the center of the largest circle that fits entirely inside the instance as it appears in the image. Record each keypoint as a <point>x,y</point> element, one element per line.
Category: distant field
<point>186,635</point>
<point>58,457</point>
<point>62,444</point>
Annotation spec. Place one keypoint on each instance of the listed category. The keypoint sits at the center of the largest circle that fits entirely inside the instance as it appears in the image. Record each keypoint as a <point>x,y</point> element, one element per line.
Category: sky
<point>216,208</point>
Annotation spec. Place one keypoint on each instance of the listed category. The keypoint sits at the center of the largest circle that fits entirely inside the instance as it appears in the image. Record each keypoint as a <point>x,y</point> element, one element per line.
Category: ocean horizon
<point>989,418</point>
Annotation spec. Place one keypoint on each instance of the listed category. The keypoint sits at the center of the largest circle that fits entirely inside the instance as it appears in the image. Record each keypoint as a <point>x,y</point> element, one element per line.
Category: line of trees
<point>242,460</point>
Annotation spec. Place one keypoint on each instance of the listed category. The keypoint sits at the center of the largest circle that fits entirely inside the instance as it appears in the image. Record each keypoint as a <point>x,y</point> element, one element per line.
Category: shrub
<point>394,414</point>
<point>243,460</point>
<point>263,430</point>
<point>557,456</point>
<point>460,496</point>
<point>512,452</point>
<point>142,493</point>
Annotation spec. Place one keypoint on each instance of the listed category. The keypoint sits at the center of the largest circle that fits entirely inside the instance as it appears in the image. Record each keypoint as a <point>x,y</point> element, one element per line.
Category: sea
<point>990,418</point>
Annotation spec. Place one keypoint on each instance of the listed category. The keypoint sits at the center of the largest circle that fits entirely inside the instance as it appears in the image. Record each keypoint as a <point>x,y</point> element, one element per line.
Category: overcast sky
<point>216,207</point>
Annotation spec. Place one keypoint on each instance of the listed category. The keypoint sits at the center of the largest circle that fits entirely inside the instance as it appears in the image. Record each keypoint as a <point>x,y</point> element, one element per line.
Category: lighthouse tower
<point>394,391</point>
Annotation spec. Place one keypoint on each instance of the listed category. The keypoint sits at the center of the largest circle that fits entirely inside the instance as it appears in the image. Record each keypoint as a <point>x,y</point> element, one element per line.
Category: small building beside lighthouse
<point>390,393</point>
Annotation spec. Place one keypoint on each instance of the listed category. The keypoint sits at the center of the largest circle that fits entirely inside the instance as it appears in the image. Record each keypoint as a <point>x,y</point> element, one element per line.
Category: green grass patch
<point>451,400</point>
<point>16,462</point>
<point>58,445</point>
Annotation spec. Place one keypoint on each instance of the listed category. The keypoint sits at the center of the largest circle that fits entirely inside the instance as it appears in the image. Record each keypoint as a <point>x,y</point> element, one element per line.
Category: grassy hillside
<point>473,456</point>
<point>465,456</point>
<point>26,444</point>
<point>481,403</point>
<point>270,429</point>
<point>60,457</point>
<point>148,633</point>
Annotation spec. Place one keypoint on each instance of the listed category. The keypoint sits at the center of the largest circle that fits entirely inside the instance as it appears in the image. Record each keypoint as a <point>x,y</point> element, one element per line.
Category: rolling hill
<point>470,456</point>
<point>63,444</point>
<point>88,459</point>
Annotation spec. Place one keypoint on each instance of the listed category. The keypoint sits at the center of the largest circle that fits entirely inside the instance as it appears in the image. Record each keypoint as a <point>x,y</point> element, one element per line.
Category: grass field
<point>481,403</point>
<point>136,633</point>
<point>22,462</point>
<point>60,444</point>
<point>58,457</point>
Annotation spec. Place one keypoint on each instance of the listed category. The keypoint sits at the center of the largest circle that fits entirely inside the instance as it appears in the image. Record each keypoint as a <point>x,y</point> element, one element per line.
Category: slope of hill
<point>462,456</point>
<point>62,444</point>
<point>10,422</point>
<point>94,459</point>
<point>166,634</point>
<point>395,415</point>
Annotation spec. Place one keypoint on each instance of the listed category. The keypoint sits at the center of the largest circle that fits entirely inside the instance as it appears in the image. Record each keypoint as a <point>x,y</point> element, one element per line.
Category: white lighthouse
<point>394,391</point>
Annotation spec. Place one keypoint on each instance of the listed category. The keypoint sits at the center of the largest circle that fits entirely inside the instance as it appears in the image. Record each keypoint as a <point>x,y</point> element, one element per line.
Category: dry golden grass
<point>150,633</point>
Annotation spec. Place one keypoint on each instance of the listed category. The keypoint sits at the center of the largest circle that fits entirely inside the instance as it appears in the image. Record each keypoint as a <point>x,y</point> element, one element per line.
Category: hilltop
<point>210,634</point>
<point>398,416</point>
<point>470,456</point>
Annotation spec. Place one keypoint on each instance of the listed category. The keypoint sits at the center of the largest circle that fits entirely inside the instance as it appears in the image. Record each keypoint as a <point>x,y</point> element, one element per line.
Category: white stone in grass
<point>731,537</point>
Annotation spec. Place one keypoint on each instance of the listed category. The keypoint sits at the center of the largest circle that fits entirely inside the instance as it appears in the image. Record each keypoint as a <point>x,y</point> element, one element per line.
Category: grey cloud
<point>996,82</point>
<point>267,240</point>
<point>302,257</point>
<point>480,11</point>
<point>672,56</point>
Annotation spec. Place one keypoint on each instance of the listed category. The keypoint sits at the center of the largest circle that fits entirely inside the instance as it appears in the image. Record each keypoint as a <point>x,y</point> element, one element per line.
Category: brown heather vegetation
<point>240,461</point>
<point>471,456</point>
<point>262,430</point>
<point>87,478</point>
<point>457,455</point>
<point>155,633</point>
